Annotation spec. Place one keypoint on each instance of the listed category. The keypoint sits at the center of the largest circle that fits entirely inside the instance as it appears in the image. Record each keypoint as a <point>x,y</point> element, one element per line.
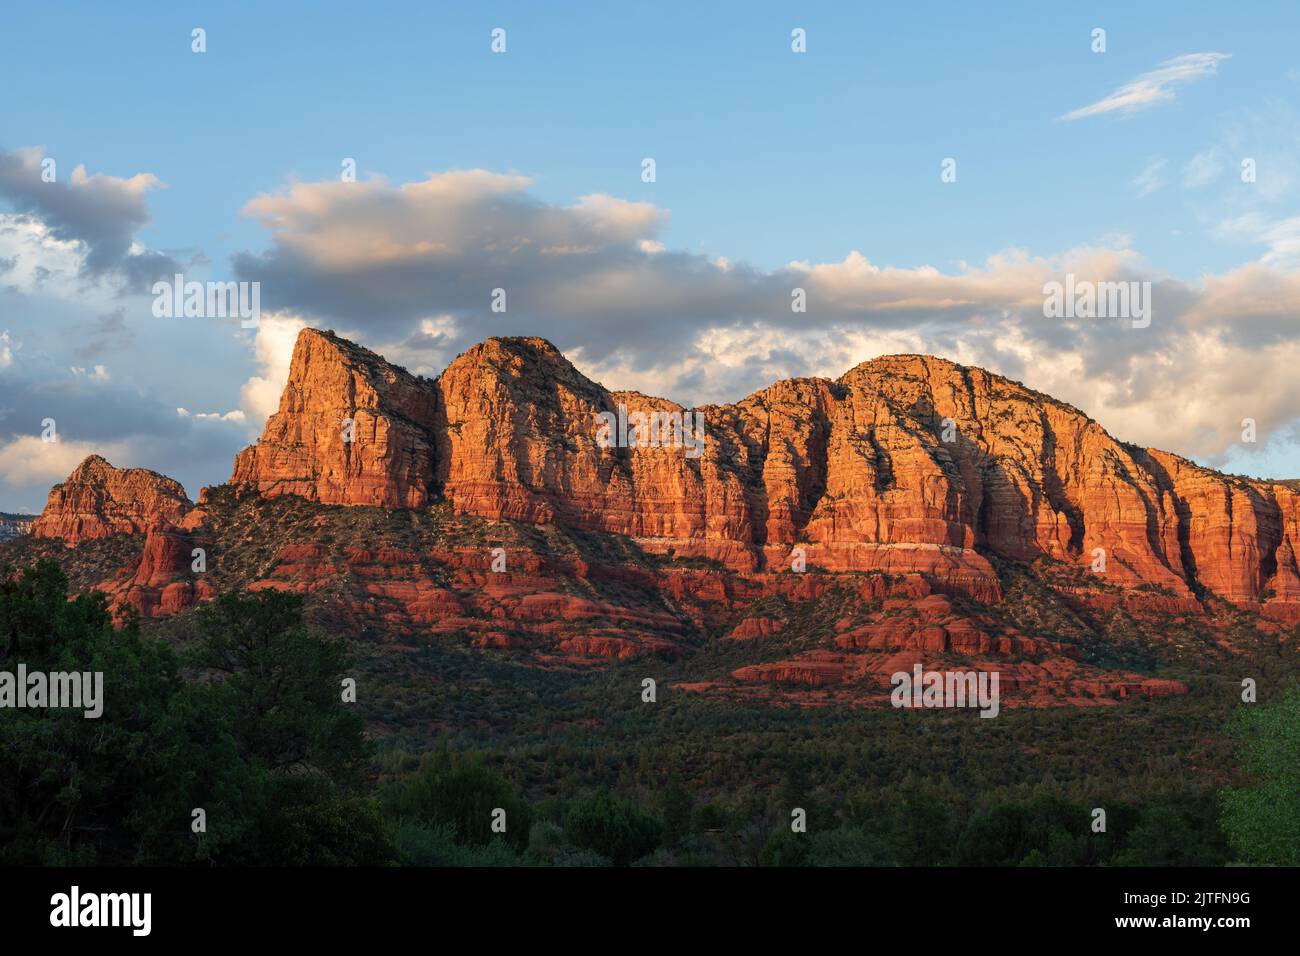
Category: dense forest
<point>243,735</point>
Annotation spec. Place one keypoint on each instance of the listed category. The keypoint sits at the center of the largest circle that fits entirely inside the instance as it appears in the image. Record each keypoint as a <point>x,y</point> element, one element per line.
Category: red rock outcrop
<point>820,678</point>
<point>98,500</point>
<point>908,627</point>
<point>351,429</point>
<point>754,627</point>
<point>904,464</point>
<point>165,581</point>
<point>893,490</point>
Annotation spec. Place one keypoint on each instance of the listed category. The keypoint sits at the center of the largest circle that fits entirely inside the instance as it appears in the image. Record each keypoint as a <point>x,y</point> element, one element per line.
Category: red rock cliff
<point>307,448</point>
<point>905,463</point>
<point>98,500</point>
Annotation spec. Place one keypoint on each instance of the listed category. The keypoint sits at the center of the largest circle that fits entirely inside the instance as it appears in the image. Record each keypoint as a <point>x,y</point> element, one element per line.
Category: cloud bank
<point>410,270</point>
<point>99,211</point>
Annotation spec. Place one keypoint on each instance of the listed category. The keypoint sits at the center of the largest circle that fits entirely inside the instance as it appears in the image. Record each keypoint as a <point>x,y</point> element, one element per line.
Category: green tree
<point>1174,835</point>
<point>675,807</point>
<point>1048,831</point>
<point>922,827</point>
<point>616,829</point>
<point>279,683</point>
<point>308,820</point>
<point>1263,821</point>
<point>251,748</point>
<point>70,785</point>
<point>461,793</point>
<point>784,847</point>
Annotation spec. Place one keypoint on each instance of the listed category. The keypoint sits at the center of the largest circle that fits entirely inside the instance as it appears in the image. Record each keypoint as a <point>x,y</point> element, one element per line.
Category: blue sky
<point>764,157</point>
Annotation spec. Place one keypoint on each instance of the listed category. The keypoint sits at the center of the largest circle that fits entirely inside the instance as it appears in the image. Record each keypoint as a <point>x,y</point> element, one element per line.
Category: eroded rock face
<point>164,582</point>
<point>1238,538</point>
<point>352,429</point>
<point>904,464</point>
<point>895,489</point>
<point>98,500</point>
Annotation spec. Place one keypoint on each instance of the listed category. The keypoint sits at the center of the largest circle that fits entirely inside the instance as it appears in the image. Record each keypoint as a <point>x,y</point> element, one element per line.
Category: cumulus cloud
<point>272,348</point>
<point>427,350</point>
<point>79,343</point>
<point>390,256</point>
<point>85,403</point>
<point>102,213</point>
<point>94,412</point>
<point>1152,88</point>
<point>99,372</point>
<point>29,460</point>
<point>409,270</point>
<point>36,261</point>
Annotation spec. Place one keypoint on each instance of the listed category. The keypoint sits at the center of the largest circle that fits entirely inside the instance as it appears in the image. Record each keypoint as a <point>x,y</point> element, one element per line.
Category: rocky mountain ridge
<point>881,516</point>
<point>904,463</point>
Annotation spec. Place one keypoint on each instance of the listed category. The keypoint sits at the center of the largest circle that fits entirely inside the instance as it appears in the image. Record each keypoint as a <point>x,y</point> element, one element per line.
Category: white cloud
<point>42,263</point>
<point>1153,88</point>
<point>99,373</point>
<point>699,329</point>
<point>428,350</point>
<point>273,351</point>
<point>28,459</point>
<point>1280,237</point>
<point>1151,177</point>
<point>98,212</point>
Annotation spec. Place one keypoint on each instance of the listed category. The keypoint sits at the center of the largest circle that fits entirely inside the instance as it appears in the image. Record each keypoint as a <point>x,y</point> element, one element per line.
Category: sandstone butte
<point>851,475</point>
<point>98,501</point>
